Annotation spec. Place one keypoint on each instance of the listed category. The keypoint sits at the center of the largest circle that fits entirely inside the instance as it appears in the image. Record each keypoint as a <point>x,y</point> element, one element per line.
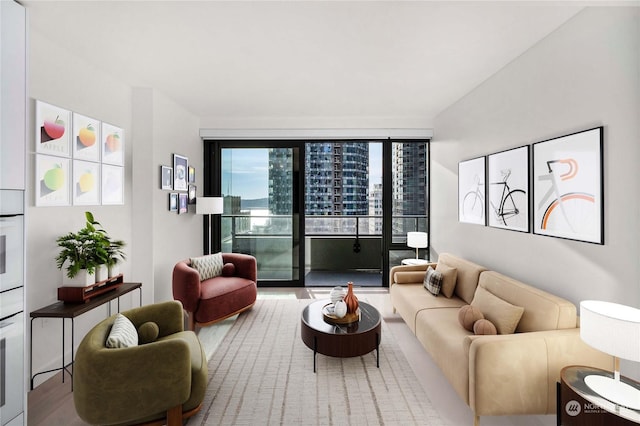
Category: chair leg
<point>476,420</point>
<point>191,322</point>
<point>174,416</point>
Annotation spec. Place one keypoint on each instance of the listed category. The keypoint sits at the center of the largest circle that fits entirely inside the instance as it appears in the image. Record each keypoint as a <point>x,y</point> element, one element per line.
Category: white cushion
<point>123,333</point>
<point>208,266</point>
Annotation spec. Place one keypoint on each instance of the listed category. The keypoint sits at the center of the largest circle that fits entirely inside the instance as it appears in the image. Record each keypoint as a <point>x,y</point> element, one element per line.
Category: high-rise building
<point>409,169</point>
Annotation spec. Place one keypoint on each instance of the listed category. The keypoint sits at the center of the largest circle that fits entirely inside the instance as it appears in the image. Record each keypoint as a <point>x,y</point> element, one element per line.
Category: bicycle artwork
<point>508,173</point>
<point>471,191</point>
<point>568,187</point>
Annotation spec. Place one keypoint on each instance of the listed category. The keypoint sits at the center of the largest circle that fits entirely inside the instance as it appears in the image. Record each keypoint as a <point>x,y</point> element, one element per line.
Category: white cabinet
<point>13,95</point>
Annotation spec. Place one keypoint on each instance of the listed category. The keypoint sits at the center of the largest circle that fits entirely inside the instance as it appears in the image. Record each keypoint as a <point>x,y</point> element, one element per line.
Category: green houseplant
<point>87,249</point>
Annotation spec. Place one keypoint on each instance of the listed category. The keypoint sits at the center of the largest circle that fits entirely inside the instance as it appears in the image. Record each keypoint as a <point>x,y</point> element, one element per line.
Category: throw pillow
<point>148,332</point>
<point>123,333</point>
<point>468,315</point>
<point>208,266</point>
<point>432,281</point>
<point>449,278</point>
<point>484,326</point>
<point>228,270</point>
<point>501,313</point>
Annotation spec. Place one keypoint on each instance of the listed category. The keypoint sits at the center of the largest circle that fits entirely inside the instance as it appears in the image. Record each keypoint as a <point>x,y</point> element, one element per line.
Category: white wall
<point>155,127</point>
<point>585,74</point>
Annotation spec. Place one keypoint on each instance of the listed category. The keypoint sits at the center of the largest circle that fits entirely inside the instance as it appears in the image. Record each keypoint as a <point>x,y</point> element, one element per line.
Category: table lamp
<point>417,240</point>
<point>209,206</point>
<point>613,329</point>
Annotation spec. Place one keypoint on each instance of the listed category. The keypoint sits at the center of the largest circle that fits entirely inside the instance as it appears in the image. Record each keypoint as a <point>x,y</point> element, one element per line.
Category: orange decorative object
<point>351,300</point>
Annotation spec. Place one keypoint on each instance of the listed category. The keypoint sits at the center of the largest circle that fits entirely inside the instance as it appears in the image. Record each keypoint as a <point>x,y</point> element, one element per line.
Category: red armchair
<point>215,299</point>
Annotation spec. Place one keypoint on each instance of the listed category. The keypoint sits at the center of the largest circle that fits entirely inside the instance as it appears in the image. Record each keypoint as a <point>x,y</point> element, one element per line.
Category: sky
<point>250,171</point>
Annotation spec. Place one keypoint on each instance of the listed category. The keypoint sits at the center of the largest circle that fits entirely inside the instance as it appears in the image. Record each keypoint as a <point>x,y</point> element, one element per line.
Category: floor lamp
<point>209,206</point>
<point>613,329</point>
<point>417,240</point>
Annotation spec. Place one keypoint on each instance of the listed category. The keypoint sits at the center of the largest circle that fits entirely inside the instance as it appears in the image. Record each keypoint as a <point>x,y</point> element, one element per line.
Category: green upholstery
<point>126,386</point>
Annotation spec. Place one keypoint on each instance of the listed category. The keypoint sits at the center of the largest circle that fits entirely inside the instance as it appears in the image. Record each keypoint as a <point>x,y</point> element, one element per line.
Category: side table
<point>413,261</point>
<point>71,310</point>
<point>578,405</point>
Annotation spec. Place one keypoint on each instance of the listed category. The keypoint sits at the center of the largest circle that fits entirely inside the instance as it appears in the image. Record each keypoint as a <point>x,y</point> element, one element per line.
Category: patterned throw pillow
<point>123,333</point>
<point>433,281</point>
<point>208,266</point>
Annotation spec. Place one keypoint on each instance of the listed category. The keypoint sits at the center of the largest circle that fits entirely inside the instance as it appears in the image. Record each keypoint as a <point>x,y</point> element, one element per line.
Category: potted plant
<point>114,255</point>
<point>85,251</point>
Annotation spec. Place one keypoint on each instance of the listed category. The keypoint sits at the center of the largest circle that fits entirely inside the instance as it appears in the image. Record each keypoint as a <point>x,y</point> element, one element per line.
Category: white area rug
<point>262,373</point>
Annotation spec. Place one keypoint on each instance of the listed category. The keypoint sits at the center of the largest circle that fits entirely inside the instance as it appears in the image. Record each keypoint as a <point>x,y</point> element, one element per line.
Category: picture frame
<point>112,185</point>
<point>508,189</point>
<point>86,138</point>
<point>112,144</point>
<point>173,202</point>
<point>183,202</point>
<point>192,194</point>
<point>568,187</point>
<point>52,130</point>
<point>180,172</point>
<point>192,174</point>
<point>53,181</point>
<point>166,178</point>
<point>472,191</point>
<point>86,183</point>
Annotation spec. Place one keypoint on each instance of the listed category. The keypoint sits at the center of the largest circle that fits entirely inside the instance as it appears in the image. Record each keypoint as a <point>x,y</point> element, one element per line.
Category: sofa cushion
<point>228,270</point>
<point>433,281</point>
<point>484,327</point>
<point>501,313</point>
<point>468,315</point>
<point>449,277</point>
<point>148,332</point>
<point>208,266</point>
<point>123,333</point>
<point>542,311</point>
<point>467,275</point>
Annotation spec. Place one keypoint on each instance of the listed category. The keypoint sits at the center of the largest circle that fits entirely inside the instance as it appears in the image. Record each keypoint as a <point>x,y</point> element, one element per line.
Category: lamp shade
<point>209,205</point>
<point>611,328</point>
<point>417,239</point>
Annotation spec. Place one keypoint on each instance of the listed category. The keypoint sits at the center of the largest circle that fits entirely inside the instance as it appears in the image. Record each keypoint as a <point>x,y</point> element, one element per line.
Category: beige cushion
<point>208,266</point>
<point>468,315</point>
<point>467,275</point>
<point>449,276</point>
<point>502,314</point>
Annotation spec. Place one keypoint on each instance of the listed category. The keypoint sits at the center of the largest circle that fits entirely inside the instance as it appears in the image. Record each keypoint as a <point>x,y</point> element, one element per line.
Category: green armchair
<point>164,380</point>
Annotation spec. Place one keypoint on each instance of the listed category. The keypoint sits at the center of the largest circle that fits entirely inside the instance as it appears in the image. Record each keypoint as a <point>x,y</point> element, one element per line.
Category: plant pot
<point>82,279</point>
<point>101,273</point>
<point>114,270</point>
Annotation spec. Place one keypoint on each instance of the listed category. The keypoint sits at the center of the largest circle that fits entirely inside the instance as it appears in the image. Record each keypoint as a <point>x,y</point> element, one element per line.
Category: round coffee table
<point>343,341</point>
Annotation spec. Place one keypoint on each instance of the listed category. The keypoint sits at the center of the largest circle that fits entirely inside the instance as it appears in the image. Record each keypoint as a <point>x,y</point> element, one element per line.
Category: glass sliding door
<point>261,210</point>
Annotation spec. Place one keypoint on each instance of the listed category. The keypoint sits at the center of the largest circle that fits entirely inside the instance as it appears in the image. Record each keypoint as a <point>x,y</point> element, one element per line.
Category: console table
<point>71,311</point>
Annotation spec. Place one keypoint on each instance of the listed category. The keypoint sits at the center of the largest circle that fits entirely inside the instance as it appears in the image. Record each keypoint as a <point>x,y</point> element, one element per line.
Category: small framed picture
<point>180,171</point>
<point>471,191</point>
<point>112,144</point>
<point>86,138</point>
<point>166,178</point>
<point>53,130</point>
<point>183,202</point>
<point>192,174</point>
<point>173,202</point>
<point>192,194</point>
<point>53,181</point>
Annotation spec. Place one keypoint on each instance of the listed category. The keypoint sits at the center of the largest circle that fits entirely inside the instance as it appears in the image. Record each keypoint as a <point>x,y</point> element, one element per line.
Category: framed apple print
<point>53,130</point>
<point>86,183</point>
<point>112,184</point>
<point>53,177</point>
<point>86,138</point>
<point>112,145</point>
<point>180,170</point>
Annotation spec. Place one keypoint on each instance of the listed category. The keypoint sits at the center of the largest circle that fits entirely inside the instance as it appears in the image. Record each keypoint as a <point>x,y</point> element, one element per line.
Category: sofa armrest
<point>406,269</point>
<point>167,315</point>
<point>186,285</point>
<point>245,264</point>
<point>517,373</point>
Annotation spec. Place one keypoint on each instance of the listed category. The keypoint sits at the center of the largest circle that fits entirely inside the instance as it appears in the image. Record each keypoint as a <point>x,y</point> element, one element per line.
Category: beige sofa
<point>502,374</point>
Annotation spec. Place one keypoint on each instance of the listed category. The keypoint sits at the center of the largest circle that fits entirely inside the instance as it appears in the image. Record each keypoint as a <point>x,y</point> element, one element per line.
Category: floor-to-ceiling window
<point>313,212</point>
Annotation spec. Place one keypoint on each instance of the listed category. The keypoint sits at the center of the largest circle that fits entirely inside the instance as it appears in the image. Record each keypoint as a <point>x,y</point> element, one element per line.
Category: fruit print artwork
<point>112,145</point>
<point>53,130</point>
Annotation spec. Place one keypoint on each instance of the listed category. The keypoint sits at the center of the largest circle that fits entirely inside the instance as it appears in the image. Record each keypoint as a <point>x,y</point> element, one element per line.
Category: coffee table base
<point>315,351</point>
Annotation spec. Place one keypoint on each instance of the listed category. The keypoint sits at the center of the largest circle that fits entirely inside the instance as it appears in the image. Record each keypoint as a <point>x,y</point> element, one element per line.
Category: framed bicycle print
<point>508,177</point>
<point>568,187</point>
<point>471,191</point>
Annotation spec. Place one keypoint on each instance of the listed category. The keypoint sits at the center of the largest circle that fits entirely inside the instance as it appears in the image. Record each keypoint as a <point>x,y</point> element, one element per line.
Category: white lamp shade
<point>611,328</point>
<point>417,239</point>
<point>209,205</point>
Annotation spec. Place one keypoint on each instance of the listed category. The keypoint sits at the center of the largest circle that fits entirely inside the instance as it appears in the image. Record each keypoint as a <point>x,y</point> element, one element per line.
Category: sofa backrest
<point>468,274</point>
<point>542,310</point>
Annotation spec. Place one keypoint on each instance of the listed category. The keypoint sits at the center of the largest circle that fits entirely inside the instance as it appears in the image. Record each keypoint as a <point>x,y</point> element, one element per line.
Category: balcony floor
<point>359,278</point>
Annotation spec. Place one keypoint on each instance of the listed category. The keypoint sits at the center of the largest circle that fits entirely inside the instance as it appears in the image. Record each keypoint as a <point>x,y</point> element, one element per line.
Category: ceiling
<point>240,59</point>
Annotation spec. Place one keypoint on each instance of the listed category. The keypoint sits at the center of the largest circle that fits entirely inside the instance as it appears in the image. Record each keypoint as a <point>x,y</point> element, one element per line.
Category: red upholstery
<point>217,298</point>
